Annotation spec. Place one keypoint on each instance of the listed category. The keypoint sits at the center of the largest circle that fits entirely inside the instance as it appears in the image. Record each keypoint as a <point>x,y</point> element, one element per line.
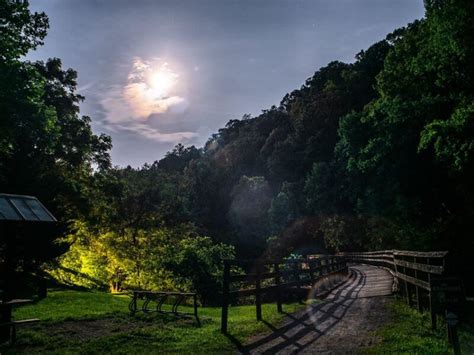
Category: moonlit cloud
<point>151,91</point>
<point>155,134</point>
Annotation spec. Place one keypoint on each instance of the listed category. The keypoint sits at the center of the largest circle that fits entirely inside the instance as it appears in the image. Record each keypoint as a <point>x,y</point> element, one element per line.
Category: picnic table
<point>7,324</point>
<point>159,298</point>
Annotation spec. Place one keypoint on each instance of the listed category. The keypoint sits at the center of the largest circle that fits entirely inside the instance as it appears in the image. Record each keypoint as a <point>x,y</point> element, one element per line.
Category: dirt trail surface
<point>343,323</point>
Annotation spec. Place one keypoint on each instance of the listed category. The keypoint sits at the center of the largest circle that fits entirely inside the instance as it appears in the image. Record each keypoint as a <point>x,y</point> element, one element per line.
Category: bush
<point>197,263</point>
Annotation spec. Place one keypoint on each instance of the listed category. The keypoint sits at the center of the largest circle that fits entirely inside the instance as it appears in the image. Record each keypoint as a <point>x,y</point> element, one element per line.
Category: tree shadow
<point>313,323</point>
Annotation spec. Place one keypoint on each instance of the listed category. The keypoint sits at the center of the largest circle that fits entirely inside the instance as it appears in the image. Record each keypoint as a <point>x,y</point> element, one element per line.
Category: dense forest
<point>374,154</point>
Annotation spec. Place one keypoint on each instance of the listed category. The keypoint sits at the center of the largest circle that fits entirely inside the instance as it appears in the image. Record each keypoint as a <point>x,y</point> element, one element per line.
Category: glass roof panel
<point>23,208</point>
<point>38,209</point>
<point>7,211</point>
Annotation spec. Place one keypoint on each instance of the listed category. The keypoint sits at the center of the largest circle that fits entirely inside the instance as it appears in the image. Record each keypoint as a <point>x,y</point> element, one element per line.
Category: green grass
<point>93,322</point>
<point>63,305</point>
<point>410,332</point>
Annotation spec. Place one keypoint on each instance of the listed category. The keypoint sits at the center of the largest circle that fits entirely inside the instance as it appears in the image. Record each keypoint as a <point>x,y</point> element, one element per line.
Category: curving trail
<point>343,323</point>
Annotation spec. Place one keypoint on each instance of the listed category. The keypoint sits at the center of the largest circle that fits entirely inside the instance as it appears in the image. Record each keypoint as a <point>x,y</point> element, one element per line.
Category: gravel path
<point>343,323</point>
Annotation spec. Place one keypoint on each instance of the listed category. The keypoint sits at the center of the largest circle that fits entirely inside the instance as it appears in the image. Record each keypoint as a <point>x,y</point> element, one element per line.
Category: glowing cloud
<point>152,89</point>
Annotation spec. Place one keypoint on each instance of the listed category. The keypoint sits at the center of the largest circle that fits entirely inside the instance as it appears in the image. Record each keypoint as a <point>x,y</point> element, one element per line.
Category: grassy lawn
<point>410,332</point>
<point>92,322</point>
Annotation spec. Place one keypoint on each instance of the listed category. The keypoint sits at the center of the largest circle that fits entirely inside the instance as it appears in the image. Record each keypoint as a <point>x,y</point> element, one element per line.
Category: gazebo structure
<point>19,215</point>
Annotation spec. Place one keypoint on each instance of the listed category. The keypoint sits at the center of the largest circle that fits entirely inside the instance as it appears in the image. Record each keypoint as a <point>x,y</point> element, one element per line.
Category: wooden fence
<point>415,272</point>
<point>273,279</point>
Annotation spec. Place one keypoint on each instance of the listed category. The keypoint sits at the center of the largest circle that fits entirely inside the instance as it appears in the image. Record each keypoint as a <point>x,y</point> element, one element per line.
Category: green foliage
<point>20,30</point>
<point>196,263</point>
<point>451,139</point>
<point>279,212</point>
<point>46,149</point>
<point>251,199</point>
<point>411,147</point>
<point>157,259</point>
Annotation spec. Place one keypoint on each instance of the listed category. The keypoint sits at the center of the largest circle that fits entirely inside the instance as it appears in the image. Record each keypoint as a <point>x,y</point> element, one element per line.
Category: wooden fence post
<point>296,273</point>
<point>311,270</point>
<point>258,297</point>
<point>407,285</point>
<point>430,300</point>
<point>225,297</point>
<point>318,267</point>
<point>196,310</point>
<point>417,291</point>
<point>396,269</point>
<point>433,312</point>
<point>278,287</point>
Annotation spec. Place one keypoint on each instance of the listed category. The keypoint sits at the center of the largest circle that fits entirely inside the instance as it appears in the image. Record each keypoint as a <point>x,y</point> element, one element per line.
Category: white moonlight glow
<point>161,82</point>
<point>152,88</point>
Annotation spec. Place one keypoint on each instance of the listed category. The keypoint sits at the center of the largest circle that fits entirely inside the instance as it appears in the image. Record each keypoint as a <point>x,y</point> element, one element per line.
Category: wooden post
<point>410,298</point>
<point>258,299</point>
<point>5,317</point>
<point>196,310</point>
<point>278,287</point>
<point>433,313</point>
<point>417,290</point>
<point>297,275</point>
<point>311,270</point>
<point>430,300</point>
<point>407,285</point>
<point>225,296</point>
<point>318,266</point>
<point>396,270</point>
<point>42,287</point>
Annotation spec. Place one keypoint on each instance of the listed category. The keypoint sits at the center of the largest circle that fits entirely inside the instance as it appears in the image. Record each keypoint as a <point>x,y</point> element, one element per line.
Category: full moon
<point>161,82</point>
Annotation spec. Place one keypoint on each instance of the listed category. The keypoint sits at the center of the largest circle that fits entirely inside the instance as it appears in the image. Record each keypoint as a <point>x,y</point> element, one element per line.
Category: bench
<point>159,297</point>
<point>13,324</point>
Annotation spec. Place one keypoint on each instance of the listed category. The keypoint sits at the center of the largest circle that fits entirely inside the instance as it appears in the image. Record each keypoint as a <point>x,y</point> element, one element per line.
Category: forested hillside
<point>374,154</point>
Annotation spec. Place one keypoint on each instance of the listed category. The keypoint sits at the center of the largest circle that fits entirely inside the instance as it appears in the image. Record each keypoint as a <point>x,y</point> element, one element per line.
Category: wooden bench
<point>7,324</point>
<point>14,323</point>
<point>159,297</point>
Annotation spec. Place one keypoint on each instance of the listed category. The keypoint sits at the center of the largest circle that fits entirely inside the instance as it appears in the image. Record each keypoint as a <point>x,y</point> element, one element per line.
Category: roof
<point>23,208</point>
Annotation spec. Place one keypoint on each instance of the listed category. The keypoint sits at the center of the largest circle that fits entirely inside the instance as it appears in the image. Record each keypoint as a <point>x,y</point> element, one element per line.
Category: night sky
<point>156,73</point>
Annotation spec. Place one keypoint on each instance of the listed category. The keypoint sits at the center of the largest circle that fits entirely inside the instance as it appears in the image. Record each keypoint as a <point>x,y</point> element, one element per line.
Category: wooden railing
<point>271,279</point>
<point>413,271</point>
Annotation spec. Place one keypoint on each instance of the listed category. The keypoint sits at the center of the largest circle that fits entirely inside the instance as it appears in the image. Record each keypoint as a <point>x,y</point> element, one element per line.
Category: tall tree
<point>46,148</point>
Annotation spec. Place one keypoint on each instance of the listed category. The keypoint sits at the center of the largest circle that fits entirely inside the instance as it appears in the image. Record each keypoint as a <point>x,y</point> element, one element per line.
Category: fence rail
<point>258,278</point>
